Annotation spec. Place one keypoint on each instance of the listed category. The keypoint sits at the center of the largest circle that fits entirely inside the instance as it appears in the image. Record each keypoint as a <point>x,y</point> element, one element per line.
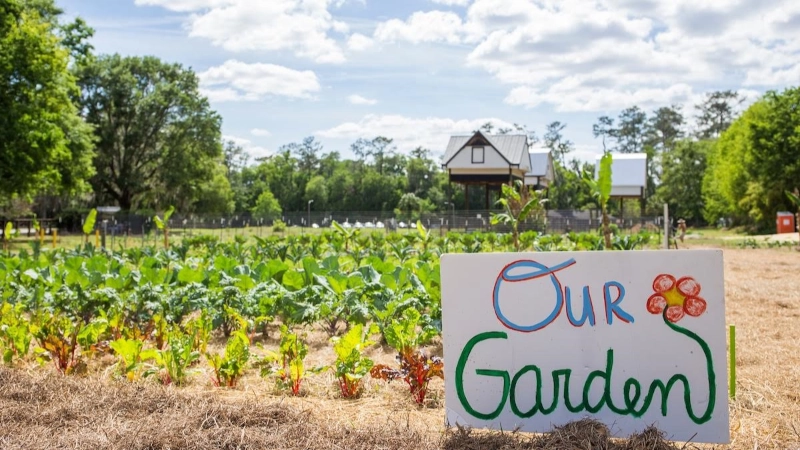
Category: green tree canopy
<point>267,207</point>
<point>44,144</point>
<point>158,141</point>
<point>755,161</point>
<point>682,179</point>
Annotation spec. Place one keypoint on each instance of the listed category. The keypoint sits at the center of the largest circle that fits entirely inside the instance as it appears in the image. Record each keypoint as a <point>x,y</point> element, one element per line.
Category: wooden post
<point>55,237</point>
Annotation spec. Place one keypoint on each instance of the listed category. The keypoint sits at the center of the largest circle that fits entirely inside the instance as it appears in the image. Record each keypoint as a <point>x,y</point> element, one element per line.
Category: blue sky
<point>421,70</point>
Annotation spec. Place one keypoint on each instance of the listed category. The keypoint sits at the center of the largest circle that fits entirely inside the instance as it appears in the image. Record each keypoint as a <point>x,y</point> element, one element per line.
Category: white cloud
<point>579,56</point>
<point>431,26</point>
<point>260,132</point>
<point>408,132</point>
<point>452,2</point>
<point>300,26</point>
<point>357,42</point>
<point>183,5</point>
<point>359,100</point>
<point>238,81</point>
<point>255,151</point>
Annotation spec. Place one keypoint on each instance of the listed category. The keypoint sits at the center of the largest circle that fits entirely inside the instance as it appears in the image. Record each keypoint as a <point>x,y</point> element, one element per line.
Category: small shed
<point>628,176</point>
<point>488,160</point>
<point>543,171</point>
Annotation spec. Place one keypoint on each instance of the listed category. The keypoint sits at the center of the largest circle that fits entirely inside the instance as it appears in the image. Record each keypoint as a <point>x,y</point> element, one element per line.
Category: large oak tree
<point>158,141</point>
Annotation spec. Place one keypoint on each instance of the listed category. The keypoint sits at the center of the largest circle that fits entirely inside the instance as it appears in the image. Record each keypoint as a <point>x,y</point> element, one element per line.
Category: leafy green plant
<point>8,235</point>
<point>417,368</point>
<point>518,204</point>
<point>174,361</point>
<point>88,224</point>
<point>59,339</point>
<point>229,368</point>
<point>278,226</point>
<point>346,234</point>
<point>351,365</point>
<point>199,328</point>
<point>163,226</point>
<point>132,357</point>
<point>601,191</point>
<point>15,337</point>
<point>291,370</point>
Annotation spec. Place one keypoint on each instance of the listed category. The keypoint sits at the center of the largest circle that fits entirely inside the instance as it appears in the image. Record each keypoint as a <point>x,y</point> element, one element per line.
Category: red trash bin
<point>785,222</point>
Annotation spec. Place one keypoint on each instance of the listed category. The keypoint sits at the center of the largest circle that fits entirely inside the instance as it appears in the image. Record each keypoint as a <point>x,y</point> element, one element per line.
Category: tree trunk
<point>606,230</point>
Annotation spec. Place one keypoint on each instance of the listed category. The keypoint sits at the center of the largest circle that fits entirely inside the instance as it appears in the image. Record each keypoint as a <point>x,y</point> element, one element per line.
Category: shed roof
<point>540,162</point>
<point>627,169</point>
<point>513,147</point>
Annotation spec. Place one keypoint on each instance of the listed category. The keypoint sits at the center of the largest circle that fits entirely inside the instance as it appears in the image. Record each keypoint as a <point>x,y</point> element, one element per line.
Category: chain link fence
<point>554,221</point>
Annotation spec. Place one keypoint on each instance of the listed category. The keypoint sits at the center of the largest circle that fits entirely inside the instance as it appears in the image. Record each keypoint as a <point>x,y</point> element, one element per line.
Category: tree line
<point>80,129</point>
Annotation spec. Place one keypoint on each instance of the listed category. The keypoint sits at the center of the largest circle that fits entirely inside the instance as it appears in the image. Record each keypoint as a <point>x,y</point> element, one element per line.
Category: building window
<point>477,155</point>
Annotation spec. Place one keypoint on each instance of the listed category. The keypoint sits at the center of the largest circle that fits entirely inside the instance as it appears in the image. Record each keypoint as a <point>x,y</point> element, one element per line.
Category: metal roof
<point>540,162</point>
<point>511,146</point>
<point>627,169</point>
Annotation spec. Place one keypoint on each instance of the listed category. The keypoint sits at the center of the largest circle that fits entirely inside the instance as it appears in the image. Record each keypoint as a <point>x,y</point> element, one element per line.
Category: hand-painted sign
<point>632,339</point>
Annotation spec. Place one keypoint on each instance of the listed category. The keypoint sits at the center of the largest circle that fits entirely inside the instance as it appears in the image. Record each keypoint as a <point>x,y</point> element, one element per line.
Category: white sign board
<point>632,339</point>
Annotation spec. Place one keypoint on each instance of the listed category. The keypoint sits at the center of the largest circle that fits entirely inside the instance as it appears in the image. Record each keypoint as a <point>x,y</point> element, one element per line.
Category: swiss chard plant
<point>416,367</point>
<point>229,368</point>
<point>173,363</point>
<point>287,364</point>
<point>351,365</point>
<point>132,357</point>
<point>15,337</point>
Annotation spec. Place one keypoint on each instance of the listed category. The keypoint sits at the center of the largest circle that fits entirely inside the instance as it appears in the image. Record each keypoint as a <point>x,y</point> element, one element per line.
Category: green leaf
<point>88,225</point>
<point>7,232</point>
<point>188,275</point>
<point>795,199</point>
<point>604,178</point>
<point>292,280</point>
<point>422,231</point>
<point>169,213</point>
<point>159,223</point>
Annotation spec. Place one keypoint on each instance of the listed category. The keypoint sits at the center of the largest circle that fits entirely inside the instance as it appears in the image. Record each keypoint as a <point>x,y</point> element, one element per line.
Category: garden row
<point>156,310</point>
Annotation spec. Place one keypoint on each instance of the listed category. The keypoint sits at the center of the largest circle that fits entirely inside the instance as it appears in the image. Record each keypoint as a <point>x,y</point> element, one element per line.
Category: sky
<point>419,71</point>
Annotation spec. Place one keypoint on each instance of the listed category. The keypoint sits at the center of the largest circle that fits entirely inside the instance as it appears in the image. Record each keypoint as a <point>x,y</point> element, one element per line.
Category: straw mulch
<point>41,410</point>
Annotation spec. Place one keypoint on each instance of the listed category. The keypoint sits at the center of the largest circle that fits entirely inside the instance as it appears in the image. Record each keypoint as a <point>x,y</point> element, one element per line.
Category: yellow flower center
<point>674,297</point>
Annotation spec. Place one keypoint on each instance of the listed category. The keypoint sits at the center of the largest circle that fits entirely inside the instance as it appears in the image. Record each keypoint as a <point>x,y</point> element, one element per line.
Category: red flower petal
<point>694,306</point>
<point>674,313</point>
<point>663,283</point>
<point>656,304</point>
<point>688,287</point>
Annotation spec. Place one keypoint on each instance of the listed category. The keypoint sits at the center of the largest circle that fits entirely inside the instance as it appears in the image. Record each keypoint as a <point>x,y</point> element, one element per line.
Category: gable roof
<point>541,162</point>
<point>627,169</point>
<point>512,147</point>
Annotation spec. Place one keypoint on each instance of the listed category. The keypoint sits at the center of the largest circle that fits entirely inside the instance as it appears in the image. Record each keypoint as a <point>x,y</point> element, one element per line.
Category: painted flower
<point>676,298</point>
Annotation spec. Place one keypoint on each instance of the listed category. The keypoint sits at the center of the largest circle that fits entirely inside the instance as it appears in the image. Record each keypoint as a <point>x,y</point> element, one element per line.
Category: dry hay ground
<point>39,409</point>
